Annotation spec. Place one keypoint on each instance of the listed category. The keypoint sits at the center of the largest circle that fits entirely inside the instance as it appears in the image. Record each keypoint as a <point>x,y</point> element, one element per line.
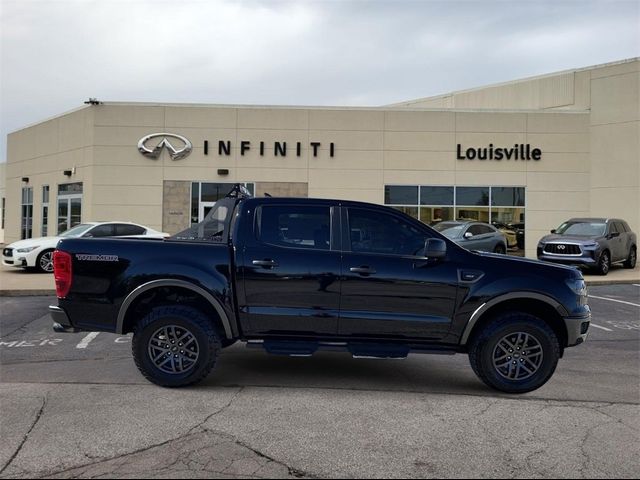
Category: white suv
<point>37,253</point>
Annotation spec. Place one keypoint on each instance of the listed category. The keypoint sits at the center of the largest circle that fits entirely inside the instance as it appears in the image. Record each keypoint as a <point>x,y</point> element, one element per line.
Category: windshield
<point>441,226</point>
<point>449,230</point>
<point>76,231</point>
<point>584,229</point>
<point>214,227</point>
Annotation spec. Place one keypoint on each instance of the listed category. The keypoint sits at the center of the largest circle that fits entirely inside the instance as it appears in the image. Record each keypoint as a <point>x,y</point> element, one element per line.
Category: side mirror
<point>553,231</point>
<point>468,235</point>
<point>87,235</point>
<point>435,248</point>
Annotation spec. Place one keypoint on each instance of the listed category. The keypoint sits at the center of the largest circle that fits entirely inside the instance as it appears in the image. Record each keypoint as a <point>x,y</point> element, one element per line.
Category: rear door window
<point>100,231</point>
<point>125,230</point>
<point>295,226</point>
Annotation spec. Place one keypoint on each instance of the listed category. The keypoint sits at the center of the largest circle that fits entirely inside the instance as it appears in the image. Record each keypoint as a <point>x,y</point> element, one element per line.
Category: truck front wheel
<point>175,346</point>
<point>515,353</point>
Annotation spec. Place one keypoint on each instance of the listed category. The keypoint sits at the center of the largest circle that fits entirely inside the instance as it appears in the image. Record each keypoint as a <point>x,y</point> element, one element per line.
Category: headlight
<point>590,245</point>
<point>579,287</point>
<point>26,250</point>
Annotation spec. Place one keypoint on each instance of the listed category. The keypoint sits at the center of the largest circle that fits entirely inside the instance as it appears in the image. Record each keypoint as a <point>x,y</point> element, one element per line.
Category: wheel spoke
<point>168,355</point>
<point>519,365</point>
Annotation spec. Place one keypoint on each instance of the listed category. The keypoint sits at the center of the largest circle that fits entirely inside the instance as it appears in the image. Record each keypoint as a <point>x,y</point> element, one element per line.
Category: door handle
<point>363,270</point>
<point>267,263</point>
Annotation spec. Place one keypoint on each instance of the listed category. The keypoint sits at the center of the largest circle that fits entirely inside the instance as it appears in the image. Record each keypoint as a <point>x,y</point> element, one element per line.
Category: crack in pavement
<point>26,435</point>
<point>219,411</point>
<point>186,459</point>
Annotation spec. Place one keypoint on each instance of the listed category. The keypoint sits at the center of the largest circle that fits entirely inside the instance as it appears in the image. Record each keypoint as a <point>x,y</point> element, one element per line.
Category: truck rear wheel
<point>175,346</point>
<point>515,353</point>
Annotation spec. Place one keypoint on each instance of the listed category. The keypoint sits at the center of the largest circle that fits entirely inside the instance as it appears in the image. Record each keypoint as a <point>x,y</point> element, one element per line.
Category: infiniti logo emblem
<point>174,153</point>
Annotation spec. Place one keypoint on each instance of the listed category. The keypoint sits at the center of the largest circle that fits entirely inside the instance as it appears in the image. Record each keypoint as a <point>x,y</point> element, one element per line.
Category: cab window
<point>295,226</point>
<point>376,232</point>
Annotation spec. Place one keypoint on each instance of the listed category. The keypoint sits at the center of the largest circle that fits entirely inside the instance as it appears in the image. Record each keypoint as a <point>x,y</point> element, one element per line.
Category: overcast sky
<point>56,54</point>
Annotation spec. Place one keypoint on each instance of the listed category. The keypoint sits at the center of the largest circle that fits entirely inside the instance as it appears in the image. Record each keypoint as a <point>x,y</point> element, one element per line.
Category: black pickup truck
<point>294,276</point>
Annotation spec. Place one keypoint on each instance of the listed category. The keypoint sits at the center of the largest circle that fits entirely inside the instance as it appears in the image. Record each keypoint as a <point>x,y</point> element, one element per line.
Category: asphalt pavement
<point>74,405</point>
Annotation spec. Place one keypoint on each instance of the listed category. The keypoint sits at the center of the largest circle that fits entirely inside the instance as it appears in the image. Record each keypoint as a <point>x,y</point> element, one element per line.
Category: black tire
<point>186,319</point>
<point>44,262</point>
<point>632,258</point>
<point>500,248</point>
<point>604,263</point>
<point>484,348</point>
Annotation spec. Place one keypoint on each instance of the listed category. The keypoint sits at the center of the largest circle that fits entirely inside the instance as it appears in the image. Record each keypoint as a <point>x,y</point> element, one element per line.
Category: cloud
<point>56,54</point>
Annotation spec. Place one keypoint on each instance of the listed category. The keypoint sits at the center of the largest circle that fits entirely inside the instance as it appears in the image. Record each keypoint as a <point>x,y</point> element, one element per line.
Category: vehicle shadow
<point>239,366</point>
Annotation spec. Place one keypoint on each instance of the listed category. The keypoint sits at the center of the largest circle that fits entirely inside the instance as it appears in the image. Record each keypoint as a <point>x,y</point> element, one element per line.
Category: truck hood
<point>569,238</point>
<point>515,262</point>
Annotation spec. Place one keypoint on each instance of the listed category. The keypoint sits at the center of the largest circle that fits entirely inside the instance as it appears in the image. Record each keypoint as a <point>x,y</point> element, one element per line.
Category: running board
<point>302,348</point>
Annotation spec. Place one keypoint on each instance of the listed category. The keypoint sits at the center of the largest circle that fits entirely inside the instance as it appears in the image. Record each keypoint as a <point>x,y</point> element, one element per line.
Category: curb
<point>27,293</point>
<point>599,283</point>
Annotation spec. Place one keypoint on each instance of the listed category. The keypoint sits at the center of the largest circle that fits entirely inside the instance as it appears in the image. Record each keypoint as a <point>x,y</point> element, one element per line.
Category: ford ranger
<point>294,276</point>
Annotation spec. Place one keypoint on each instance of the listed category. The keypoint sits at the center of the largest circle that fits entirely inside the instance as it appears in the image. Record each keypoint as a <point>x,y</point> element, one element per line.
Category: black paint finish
<point>319,290</point>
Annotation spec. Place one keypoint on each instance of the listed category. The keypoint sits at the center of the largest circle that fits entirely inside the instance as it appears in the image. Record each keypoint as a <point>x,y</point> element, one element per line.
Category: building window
<point>69,205</point>
<point>503,207</point>
<point>26,214</point>
<point>204,196</point>
<point>4,204</point>
<point>45,211</point>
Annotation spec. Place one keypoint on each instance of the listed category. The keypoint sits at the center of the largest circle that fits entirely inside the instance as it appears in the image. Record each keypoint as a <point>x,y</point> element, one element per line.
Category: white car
<point>37,253</point>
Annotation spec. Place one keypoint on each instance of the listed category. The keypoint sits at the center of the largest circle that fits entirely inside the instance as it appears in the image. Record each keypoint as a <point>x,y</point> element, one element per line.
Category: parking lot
<point>74,405</point>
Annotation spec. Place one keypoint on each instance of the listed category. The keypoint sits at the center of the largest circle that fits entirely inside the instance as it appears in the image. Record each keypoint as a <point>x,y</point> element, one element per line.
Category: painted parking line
<point>615,300</point>
<point>84,343</point>
<point>601,328</point>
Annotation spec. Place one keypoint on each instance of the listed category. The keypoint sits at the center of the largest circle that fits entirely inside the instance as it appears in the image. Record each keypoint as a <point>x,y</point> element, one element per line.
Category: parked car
<point>509,232</point>
<point>591,242</point>
<point>298,275</point>
<point>37,253</point>
<point>477,236</point>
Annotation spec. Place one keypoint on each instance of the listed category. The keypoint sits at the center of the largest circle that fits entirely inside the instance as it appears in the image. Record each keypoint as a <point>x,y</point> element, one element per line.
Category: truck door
<point>291,271</point>
<point>388,289</point>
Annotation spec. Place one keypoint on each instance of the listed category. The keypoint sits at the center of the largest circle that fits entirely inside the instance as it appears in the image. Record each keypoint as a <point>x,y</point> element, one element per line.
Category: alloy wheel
<point>173,349</point>
<point>517,356</point>
<point>46,262</point>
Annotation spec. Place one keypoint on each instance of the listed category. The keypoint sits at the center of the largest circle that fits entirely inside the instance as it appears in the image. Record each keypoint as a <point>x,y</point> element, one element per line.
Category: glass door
<point>69,212</point>
<point>205,208</point>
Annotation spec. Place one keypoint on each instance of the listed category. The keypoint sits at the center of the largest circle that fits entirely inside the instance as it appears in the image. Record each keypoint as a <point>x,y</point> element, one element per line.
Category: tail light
<point>62,272</point>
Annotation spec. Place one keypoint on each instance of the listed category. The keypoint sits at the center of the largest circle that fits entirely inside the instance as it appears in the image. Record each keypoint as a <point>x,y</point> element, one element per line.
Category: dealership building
<point>533,152</point>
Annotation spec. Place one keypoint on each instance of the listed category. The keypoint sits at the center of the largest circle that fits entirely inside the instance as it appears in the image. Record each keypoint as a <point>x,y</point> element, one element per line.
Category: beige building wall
<point>374,148</point>
<point>586,122</point>
<point>568,90</point>
<point>610,93</point>
<point>42,153</point>
<point>615,142</point>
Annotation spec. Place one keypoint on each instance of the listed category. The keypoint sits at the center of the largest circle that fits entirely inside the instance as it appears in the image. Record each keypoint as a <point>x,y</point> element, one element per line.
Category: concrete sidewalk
<point>18,282</point>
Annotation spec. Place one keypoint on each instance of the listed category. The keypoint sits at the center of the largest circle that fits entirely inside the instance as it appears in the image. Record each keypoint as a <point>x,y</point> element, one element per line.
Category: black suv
<point>591,242</point>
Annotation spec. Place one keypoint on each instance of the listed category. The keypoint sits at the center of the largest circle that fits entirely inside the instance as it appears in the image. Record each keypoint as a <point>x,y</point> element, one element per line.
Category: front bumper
<point>61,322</point>
<point>21,260</point>
<point>577,329</point>
<point>568,260</point>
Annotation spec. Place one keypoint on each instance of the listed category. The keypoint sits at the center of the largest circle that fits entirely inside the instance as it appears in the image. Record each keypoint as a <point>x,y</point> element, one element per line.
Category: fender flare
<point>145,287</point>
<point>477,314</point>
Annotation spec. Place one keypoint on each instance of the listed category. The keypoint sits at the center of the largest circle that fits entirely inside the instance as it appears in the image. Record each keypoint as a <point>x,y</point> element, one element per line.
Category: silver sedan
<point>474,235</point>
